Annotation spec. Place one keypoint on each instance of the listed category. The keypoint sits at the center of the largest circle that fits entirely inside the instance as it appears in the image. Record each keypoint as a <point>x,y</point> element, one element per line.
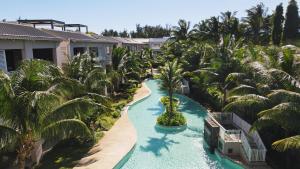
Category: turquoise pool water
<point>160,149</point>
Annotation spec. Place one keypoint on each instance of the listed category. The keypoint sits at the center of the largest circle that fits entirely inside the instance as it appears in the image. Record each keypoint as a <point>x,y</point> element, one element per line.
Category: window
<point>79,50</point>
<point>108,50</point>
<point>44,54</point>
<point>13,59</point>
<point>94,51</point>
<point>230,151</point>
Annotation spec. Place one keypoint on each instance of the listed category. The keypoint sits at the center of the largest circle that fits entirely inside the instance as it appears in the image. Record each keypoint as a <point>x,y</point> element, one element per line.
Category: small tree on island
<point>170,80</point>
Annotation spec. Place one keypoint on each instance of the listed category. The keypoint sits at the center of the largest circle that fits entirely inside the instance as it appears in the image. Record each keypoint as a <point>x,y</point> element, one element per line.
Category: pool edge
<point>126,156</point>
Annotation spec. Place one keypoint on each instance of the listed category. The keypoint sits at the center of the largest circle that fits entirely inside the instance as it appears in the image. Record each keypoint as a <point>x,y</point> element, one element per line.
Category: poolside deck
<point>116,143</point>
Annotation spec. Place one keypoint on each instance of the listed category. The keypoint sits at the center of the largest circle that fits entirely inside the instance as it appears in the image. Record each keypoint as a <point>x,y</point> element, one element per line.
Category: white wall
<point>27,47</point>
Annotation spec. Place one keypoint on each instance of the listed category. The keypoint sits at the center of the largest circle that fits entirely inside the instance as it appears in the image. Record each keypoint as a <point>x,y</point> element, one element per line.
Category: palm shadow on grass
<point>65,155</point>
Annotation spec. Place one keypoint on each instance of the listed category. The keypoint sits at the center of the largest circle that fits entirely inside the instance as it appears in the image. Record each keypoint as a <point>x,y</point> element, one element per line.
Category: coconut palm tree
<point>267,96</point>
<point>32,109</point>
<point>148,59</point>
<point>229,23</point>
<point>208,29</point>
<point>181,32</point>
<point>88,72</point>
<point>257,23</point>
<point>170,80</point>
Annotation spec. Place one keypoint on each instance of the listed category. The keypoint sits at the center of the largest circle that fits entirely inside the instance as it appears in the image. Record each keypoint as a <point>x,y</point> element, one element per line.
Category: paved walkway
<point>116,143</point>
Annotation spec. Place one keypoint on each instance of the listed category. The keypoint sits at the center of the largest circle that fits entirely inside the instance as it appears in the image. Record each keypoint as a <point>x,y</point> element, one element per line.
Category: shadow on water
<point>155,145</point>
<point>156,109</point>
<point>194,132</point>
<point>189,107</point>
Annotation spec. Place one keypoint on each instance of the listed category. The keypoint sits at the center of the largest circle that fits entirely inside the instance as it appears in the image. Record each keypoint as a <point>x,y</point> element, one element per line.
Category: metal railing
<point>253,154</point>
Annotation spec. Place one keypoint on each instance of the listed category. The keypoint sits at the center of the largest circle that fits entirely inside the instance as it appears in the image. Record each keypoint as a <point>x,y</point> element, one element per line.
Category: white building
<point>74,43</point>
<point>18,42</point>
<point>156,43</point>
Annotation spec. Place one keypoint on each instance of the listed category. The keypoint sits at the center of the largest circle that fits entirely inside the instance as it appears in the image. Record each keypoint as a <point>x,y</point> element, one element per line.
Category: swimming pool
<point>162,149</point>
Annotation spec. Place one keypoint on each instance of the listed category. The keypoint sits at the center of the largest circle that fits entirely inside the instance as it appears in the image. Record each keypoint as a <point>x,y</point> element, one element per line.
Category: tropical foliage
<point>231,66</point>
<point>170,77</point>
<point>43,104</point>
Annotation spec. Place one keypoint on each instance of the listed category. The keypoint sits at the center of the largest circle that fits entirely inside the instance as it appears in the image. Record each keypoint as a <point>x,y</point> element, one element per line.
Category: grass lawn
<point>64,155</point>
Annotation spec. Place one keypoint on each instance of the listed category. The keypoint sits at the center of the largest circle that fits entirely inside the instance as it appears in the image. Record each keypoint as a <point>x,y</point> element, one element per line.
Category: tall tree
<point>257,24</point>
<point>170,80</point>
<point>181,32</point>
<point>32,108</point>
<point>277,23</point>
<point>230,23</point>
<point>292,21</point>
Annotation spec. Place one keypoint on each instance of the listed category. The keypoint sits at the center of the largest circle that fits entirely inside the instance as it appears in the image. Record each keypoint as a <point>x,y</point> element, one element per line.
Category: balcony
<point>228,132</point>
<point>233,129</point>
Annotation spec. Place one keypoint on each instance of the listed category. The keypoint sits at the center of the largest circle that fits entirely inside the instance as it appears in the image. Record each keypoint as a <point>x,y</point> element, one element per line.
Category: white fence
<point>253,154</point>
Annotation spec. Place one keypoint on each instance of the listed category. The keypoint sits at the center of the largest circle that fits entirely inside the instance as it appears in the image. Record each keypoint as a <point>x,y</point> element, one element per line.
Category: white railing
<point>257,154</point>
<point>252,154</point>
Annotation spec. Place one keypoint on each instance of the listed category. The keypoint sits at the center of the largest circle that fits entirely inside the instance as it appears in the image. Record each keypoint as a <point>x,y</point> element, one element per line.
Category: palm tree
<point>268,96</point>
<point>33,108</point>
<point>181,32</point>
<point>87,71</point>
<point>230,23</point>
<point>257,23</point>
<point>208,29</point>
<point>170,80</point>
<point>148,58</point>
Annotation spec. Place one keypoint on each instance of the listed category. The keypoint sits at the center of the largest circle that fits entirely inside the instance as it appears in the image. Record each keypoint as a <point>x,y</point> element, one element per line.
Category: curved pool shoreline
<point>156,148</point>
<point>117,143</point>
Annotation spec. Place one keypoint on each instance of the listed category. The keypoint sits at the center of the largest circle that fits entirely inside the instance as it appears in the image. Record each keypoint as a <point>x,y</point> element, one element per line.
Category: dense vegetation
<point>242,66</point>
<point>43,103</point>
<point>141,32</point>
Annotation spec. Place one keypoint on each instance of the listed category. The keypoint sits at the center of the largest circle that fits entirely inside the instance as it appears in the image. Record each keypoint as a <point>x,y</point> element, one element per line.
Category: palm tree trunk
<point>151,71</point>
<point>224,98</point>
<point>21,158</point>
<point>171,104</point>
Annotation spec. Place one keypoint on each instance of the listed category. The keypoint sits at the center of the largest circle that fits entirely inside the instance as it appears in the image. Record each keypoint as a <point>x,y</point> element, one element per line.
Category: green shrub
<point>105,122</point>
<point>165,101</point>
<point>176,120</point>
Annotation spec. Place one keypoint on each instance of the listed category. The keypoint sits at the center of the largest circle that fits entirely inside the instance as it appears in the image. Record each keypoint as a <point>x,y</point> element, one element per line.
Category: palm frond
<point>8,134</point>
<point>247,106</point>
<point>280,96</point>
<point>66,128</point>
<point>77,108</point>
<point>100,99</point>
<point>6,94</point>
<point>235,77</point>
<point>284,114</point>
<point>242,89</point>
<point>287,143</point>
<point>68,88</point>
<point>284,78</point>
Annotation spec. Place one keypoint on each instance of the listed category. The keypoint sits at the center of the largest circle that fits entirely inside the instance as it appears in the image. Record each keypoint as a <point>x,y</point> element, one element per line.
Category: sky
<point>125,14</point>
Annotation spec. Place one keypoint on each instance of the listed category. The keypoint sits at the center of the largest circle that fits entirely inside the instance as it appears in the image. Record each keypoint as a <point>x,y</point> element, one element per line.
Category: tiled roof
<point>104,38</point>
<point>73,36</point>
<point>129,40</point>
<point>20,32</point>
